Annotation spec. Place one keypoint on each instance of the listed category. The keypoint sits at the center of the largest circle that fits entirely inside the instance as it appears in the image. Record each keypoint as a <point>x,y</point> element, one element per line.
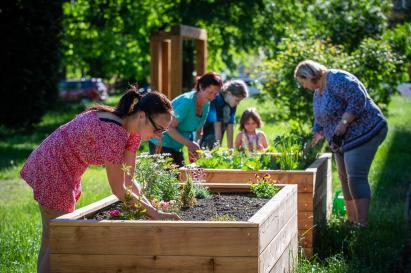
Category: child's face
<point>250,125</point>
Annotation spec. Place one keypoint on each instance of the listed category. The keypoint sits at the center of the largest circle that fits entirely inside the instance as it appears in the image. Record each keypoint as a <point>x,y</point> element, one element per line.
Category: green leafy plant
<point>130,208</point>
<point>188,195</point>
<point>158,176</point>
<point>223,218</point>
<point>264,187</point>
<point>222,158</point>
<point>295,150</point>
<point>201,192</point>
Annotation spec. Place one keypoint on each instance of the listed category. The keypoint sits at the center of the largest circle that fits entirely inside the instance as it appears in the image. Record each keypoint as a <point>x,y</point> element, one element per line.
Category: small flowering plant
<point>166,206</point>
<point>128,209</point>
<point>264,187</point>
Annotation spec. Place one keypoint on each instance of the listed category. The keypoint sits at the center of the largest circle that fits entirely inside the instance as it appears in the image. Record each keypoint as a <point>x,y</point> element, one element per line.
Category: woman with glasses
<point>100,136</point>
<point>190,112</point>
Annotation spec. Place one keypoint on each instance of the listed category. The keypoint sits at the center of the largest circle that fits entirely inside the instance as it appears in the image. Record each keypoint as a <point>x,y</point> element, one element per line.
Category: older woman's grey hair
<point>236,87</point>
<point>309,69</point>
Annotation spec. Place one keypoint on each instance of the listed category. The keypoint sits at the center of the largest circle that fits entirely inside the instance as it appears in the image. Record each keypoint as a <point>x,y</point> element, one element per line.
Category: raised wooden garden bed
<point>267,242</point>
<point>314,192</point>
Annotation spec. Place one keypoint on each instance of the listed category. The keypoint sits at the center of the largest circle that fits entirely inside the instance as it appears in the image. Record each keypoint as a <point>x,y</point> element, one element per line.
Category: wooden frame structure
<point>166,49</point>
<point>267,242</point>
<point>314,192</point>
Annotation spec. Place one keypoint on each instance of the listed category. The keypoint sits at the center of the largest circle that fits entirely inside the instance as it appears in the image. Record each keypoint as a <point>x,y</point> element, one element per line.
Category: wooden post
<point>201,61</point>
<point>177,66</point>
<point>166,50</point>
<point>165,67</point>
<point>155,65</point>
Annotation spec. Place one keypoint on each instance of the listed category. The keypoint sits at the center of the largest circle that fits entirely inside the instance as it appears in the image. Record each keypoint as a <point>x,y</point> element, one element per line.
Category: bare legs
<point>43,258</point>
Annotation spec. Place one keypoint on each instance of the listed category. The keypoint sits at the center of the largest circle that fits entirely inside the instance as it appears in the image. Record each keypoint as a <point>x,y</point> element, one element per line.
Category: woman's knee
<point>359,187</point>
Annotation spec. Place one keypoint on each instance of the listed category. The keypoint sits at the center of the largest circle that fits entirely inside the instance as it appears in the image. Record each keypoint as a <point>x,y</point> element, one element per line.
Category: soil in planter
<point>241,206</point>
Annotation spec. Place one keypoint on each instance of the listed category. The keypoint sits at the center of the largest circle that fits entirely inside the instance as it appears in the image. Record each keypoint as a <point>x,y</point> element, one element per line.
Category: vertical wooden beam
<point>155,65</point>
<point>165,67</point>
<point>176,66</point>
<point>201,60</point>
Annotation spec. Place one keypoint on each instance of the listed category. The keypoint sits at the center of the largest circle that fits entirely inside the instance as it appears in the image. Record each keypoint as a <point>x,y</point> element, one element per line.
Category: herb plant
<point>264,187</point>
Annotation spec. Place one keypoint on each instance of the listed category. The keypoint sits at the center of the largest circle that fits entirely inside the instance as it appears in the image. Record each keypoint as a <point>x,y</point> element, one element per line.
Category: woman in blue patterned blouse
<point>352,123</point>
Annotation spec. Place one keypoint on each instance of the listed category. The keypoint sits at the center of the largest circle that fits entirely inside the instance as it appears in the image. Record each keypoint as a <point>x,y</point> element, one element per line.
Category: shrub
<point>373,62</point>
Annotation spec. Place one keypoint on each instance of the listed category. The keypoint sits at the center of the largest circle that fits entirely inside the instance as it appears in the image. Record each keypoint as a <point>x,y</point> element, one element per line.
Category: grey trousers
<point>354,165</point>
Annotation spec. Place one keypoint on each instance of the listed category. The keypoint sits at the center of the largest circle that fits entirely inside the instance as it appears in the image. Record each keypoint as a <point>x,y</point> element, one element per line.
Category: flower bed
<point>266,242</point>
<point>314,191</point>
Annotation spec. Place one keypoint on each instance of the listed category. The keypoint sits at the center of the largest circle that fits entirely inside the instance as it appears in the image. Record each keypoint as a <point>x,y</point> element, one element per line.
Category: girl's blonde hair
<point>309,69</point>
<point>253,114</point>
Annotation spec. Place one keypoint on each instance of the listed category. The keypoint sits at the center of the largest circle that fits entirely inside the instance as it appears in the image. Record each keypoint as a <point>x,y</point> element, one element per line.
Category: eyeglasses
<point>157,130</point>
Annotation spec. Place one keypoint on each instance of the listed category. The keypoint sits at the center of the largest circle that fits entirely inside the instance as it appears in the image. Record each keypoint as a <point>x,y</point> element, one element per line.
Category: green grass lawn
<point>378,250</point>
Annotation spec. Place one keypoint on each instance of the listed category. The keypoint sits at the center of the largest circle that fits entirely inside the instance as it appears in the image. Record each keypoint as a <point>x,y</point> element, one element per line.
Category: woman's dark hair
<point>253,114</point>
<point>211,78</point>
<point>152,103</point>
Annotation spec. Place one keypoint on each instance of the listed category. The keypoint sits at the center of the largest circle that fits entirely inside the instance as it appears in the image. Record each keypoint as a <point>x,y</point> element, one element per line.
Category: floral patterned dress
<point>55,167</point>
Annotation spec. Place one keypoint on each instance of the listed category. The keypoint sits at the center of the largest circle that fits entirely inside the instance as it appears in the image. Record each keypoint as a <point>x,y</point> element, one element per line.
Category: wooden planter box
<point>314,192</point>
<point>267,242</point>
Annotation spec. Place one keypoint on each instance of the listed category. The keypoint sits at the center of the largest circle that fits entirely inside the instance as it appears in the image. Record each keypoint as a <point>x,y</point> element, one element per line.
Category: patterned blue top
<point>343,92</point>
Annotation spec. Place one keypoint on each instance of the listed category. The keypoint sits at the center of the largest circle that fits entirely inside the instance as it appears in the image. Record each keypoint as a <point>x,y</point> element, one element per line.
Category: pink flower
<point>164,205</point>
<point>114,212</point>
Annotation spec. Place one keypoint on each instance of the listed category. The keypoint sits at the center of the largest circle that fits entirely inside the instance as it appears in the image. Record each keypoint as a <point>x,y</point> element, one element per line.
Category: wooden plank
<point>165,67</point>
<point>87,210</point>
<point>305,238</point>
<point>288,261</point>
<point>274,216</point>
<point>154,241</point>
<point>275,249</point>
<point>151,223</point>
<point>305,202</point>
<point>303,179</point>
<point>308,252</point>
<point>189,32</point>
<point>72,263</point>
<point>305,219</point>
<point>155,63</point>
<point>201,58</point>
<point>176,66</point>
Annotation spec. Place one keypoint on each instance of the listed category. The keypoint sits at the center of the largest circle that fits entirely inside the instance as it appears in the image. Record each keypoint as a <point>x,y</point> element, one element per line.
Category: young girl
<point>101,136</point>
<point>250,138</point>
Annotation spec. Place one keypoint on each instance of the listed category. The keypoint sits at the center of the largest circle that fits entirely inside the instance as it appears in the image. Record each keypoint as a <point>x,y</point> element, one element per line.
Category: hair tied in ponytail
<point>136,98</point>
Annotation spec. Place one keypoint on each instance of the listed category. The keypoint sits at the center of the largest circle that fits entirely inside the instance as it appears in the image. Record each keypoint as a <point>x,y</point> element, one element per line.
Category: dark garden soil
<point>241,206</point>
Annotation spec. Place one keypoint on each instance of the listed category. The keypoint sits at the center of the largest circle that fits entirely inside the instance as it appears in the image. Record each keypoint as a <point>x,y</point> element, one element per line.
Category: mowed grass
<point>341,249</point>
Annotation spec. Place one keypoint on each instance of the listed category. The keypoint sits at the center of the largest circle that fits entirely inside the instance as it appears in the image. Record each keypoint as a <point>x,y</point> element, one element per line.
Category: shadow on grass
<point>16,145</point>
<point>381,248</point>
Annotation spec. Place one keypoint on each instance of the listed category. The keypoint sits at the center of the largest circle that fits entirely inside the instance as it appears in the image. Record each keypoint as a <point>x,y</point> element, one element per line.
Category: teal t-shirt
<point>184,107</point>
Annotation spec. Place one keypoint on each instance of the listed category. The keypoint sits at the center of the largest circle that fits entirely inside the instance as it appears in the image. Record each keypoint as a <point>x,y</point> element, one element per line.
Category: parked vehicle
<point>83,89</point>
<point>253,86</point>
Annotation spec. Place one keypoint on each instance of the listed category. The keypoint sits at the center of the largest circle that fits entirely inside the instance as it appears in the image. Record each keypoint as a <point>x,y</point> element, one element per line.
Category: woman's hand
<point>317,137</point>
<point>193,147</point>
<point>168,216</point>
<point>340,129</point>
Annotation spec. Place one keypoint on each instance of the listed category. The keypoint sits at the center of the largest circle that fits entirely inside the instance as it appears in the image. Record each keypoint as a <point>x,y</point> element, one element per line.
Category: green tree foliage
<point>296,102</point>
<point>111,38</point>
<point>349,22</point>
<point>373,62</point>
<point>30,59</point>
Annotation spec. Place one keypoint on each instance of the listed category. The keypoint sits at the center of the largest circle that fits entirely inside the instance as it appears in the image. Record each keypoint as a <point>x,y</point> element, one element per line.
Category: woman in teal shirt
<point>190,112</point>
